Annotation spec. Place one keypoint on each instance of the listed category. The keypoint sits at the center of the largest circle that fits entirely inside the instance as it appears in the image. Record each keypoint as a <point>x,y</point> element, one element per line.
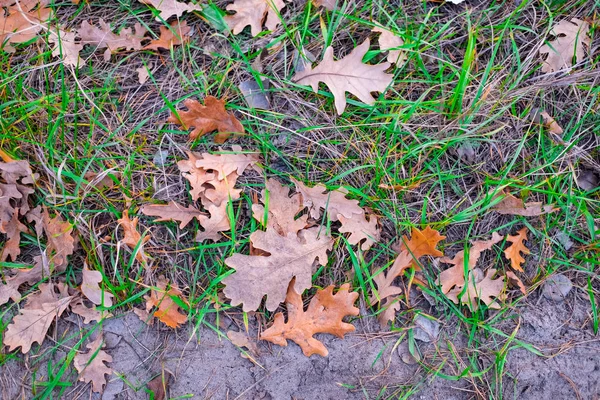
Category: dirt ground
<point>365,365</point>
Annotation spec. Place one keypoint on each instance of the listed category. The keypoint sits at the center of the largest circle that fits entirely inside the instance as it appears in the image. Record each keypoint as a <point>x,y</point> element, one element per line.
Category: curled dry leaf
<point>13,230</point>
<point>289,256</point>
<point>361,229</point>
<point>21,23</point>
<point>513,252</point>
<point>168,311</point>
<point>514,206</point>
<point>278,210</point>
<point>389,41</point>
<point>347,75</point>
<point>334,202</point>
<point>172,212</point>
<point>455,275</point>
<point>104,37</point>
<point>480,287</point>
<point>253,13</point>
<point>34,320</point>
<point>91,365</point>
<point>132,238</point>
<point>571,36</point>
<point>92,290</point>
<point>60,242</point>
<point>551,123</point>
<point>207,118</point>
<point>324,314</point>
<point>174,35</point>
<point>169,8</point>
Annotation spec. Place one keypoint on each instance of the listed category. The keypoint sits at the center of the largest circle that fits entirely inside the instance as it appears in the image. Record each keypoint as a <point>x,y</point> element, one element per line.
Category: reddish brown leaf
<point>132,237</point>
<point>513,252</point>
<point>168,310</point>
<point>177,33</point>
<point>514,206</point>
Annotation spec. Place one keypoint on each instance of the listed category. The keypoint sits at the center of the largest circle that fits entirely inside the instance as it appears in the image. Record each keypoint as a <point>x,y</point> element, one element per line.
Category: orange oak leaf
<point>278,210</point>
<point>168,311</point>
<point>91,289</point>
<point>172,212</point>
<point>169,8</point>
<point>34,320</point>
<point>513,252</point>
<point>289,256</point>
<point>349,74</point>
<point>480,287</point>
<point>91,365</point>
<point>455,275</point>
<point>132,238</point>
<point>253,13</point>
<point>324,314</point>
<point>207,118</point>
<point>514,206</point>
<point>104,38</point>
<point>177,33</point>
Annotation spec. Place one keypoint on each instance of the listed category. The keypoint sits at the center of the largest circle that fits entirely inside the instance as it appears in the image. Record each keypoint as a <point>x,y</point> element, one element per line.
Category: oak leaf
<point>513,252</point>
<point>422,243</point>
<point>241,339</point>
<point>207,118</point>
<point>514,280</point>
<point>480,287</point>
<point>89,314</point>
<point>226,162</point>
<point>514,206</point>
<point>551,123</point>
<point>132,238</point>
<point>66,47</point>
<point>168,8</point>
<point>177,33</point>
<point>326,4</point>
<point>172,212</point>
<point>218,192</point>
<point>571,36</point>
<point>196,176</point>
<point>104,37</point>
<point>324,314</point>
<point>91,365</point>
<point>334,202</point>
<point>60,242</point>
<point>389,41</point>
<point>168,312</point>
<point>278,210</point>
<point>14,193</point>
<point>10,290</point>
<point>253,13</point>
<point>91,289</point>
<point>361,229</point>
<point>292,255</point>
<point>217,222</point>
<point>455,275</point>
<point>34,320</point>
<point>13,230</point>
<point>21,23</point>
<point>347,75</point>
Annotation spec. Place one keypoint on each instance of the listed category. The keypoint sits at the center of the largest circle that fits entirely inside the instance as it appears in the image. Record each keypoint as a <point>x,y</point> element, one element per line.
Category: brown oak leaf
<point>168,312</point>
<point>361,229</point>
<point>172,212</point>
<point>513,252</point>
<point>104,37</point>
<point>196,176</point>
<point>278,210</point>
<point>389,41</point>
<point>480,287</point>
<point>514,206</point>
<point>21,23</point>
<point>324,314</point>
<point>218,192</point>
<point>207,118</point>
<point>334,201</point>
<point>60,242</point>
<point>226,162</point>
<point>168,8</point>
<point>349,74</point>
<point>92,365</point>
<point>91,289</point>
<point>34,320</point>
<point>213,225</point>
<point>89,314</point>
<point>254,13</point>
<point>289,256</point>
<point>176,34</point>
<point>132,238</point>
<point>10,290</point>
<point>13,230</point>
<point>327,4</point>
<point>571,36</point>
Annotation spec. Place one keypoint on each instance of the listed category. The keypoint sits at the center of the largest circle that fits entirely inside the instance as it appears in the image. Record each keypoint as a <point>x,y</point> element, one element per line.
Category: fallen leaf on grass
<point>217,222</point>
<point>334,202</point>
<point>143,74</point>
<point>168,8</point>
<point>347,75</point>
<point>20,23</point>
<point>177,33</point>
<point>168,310</point>
<point>551,124</point>
<point>10,290</point>
<point>278,210</point>
<point>514,206</point>
<point>91,365</point>
<point>327,4</point>
<point>207,118</point>
<point>60,243</point>
<point>172,212</point>
<point>104,37</point>
<point>324,314</point>
<point>480,287</point>
<point>361,229</point>
<point>89,314</point>
<point>422,243</point>
<point>514,280</point>
<point>12,230</point>
<point>389,41</point>
<point>92,290</point>
<point>571,36</point>
<point>253,13</point>
<point>241,339</point>
<point>66,47</point>
<point>227,162</point>
<point>195,175</point>
<point>132,238</point>
<point>34,320</point>
<point>289,256</point>
<point>218,192</point>
<point>513,252</point>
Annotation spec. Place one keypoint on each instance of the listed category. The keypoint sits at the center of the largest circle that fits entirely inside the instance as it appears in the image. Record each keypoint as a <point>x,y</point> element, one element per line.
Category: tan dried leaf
<point>13,230</point>
<point>290,256</point>
<point>92,290</point>
<point>389,41</point>
<point>91,365</point>
<point>327,4</point>
<point>324,314</point>
<point>513,279</point>
<point>20,24</point>
<point>571,36</point>
<point>168,311</point>
<point>361,229</point>
<point>176,34</point>
<point>513,252</point>
<point>226,162</point>
<point>196,176</point>
<point>278,210</point>
<point>172,212</point>
<point>132,238</point>
<point>347,75</point>
<point>334,201</point>
<point>514,206</point>
<point>218,192</point>
<point>60,243</point>
<point>482,288</point>
<point>241,339</point>
<point>88,314</point>
<point>551,123</point>
<point>168,8</point>
<point>10,290</point>
<point>253,13</point>
<point>66,47</point>
<point>207,118</point>
<point>213,225</point>
<point>103,37</point>
<point>32,322</point>
<point>143,74</point>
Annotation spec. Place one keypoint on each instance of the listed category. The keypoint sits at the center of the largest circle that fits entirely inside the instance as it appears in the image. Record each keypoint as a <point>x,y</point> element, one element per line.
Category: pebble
<point>557,287</point>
